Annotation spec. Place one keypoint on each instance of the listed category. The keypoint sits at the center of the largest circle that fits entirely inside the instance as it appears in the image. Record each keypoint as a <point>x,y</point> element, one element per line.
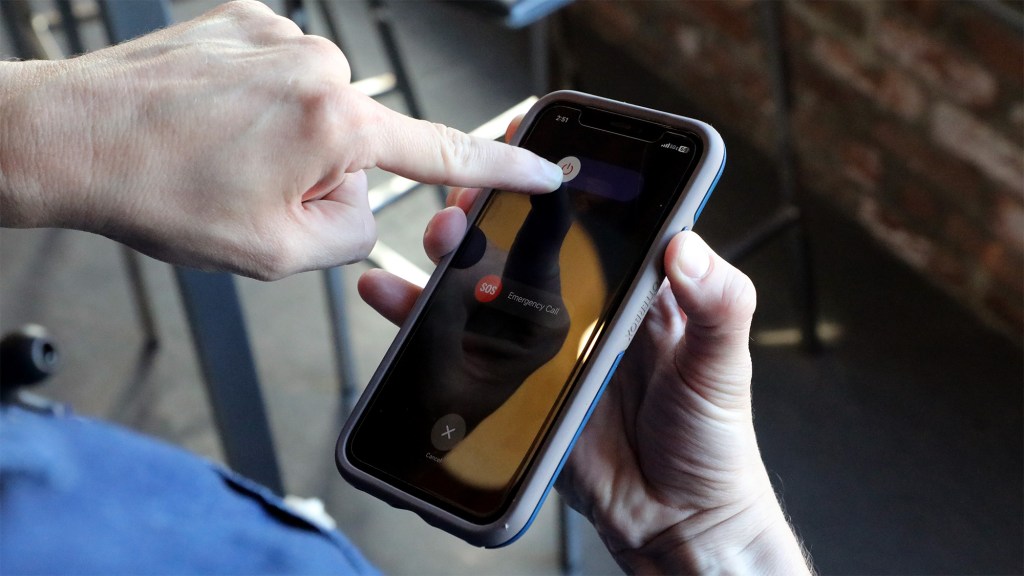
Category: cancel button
<point>447,432</point>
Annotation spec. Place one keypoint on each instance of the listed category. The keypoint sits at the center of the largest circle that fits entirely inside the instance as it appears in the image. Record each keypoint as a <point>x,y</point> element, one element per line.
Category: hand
<point>231,142</point>
<point>668,469</point>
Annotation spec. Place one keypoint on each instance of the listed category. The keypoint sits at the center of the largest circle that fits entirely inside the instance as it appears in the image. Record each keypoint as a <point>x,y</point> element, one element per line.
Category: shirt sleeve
<point>86,497</point>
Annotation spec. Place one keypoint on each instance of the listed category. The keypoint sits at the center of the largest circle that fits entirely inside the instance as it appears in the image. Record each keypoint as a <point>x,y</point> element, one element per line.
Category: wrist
<point>751,537</point>
<point>43,146</point>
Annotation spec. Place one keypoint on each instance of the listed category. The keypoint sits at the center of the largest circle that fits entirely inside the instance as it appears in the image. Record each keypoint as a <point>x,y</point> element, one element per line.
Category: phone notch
<point>622,125</point>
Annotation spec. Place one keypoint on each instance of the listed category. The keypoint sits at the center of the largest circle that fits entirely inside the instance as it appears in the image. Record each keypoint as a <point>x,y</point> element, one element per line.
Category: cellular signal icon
<point>676,147</point>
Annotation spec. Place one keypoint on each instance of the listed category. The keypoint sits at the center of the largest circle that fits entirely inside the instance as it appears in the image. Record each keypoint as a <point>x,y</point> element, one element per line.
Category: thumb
<point>718,301</point>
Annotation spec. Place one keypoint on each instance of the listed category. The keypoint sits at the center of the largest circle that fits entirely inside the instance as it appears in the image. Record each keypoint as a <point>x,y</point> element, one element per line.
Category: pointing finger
<point>437,154</point>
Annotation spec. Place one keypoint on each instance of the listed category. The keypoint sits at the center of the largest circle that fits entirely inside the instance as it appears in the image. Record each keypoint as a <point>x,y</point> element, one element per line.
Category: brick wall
<point>908,115</point>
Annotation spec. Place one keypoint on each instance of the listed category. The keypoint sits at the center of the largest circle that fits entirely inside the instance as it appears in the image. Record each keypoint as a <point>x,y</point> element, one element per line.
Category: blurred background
<point>874,193</point>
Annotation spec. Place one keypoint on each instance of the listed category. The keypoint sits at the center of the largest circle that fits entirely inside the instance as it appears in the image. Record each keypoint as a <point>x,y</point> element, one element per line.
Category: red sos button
<point>488,288</point>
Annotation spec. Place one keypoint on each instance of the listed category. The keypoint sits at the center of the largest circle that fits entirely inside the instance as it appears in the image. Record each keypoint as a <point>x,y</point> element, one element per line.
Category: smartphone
<point>478,401</point>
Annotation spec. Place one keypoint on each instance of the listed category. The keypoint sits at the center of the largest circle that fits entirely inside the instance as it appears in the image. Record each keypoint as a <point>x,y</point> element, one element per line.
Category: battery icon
<point>677,147</point>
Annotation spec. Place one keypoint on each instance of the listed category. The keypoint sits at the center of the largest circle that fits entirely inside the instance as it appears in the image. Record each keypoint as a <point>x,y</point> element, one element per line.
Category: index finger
<point>437,154</point>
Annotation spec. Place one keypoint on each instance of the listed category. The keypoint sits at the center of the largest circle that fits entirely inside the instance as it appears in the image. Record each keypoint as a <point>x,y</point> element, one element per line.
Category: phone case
<point>581,402</point>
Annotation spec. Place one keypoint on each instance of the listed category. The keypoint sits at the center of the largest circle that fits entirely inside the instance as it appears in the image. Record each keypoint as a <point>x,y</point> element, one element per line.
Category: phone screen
<point>481,376</point>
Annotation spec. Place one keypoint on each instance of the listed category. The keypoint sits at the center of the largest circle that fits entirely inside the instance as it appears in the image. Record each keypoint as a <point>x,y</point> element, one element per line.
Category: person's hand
<point>668,469</point>
<point>229,142</point>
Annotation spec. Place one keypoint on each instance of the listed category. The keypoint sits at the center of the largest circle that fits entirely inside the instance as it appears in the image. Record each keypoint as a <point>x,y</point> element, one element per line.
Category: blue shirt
<point>85,497</point>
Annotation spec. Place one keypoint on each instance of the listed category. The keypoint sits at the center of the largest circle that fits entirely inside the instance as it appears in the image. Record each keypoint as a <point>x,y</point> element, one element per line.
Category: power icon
<point>570,166</point>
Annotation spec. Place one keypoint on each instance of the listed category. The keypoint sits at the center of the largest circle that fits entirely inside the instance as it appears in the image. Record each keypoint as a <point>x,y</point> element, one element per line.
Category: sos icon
<point>488,288</point>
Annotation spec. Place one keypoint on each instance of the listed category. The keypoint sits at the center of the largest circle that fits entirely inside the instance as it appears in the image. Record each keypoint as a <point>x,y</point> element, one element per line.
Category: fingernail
<point>551,173</point>
<point>694,257</point>
<point>452,199</point>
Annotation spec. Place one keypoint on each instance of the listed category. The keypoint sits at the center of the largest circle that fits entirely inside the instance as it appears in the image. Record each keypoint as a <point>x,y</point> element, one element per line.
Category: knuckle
<point>741,296</point>
<point>278,28</point>
<point>255,21</point>
<point>321,95</point>
<point>241,8</point>
<point>319,111</point>
<point>321,44</point>
<point>456,149</point>
<point>315,46</point>
<point>325,56</point>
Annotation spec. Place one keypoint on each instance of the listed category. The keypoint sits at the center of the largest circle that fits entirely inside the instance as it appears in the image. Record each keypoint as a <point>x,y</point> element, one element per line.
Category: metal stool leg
<point>334,286</point>
<point>140,294</point>
<point>70,25</point>
<point>570,555</point>
<point>229,370</point>
<point>382,17</point>
<point>800,243</point>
